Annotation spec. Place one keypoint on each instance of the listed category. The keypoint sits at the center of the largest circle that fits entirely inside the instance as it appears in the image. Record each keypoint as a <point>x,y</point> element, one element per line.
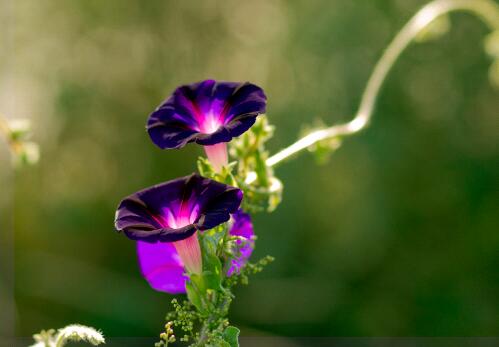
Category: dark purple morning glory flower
<point>163,268</point>
<point>209,113</point>
<point>173,211</point>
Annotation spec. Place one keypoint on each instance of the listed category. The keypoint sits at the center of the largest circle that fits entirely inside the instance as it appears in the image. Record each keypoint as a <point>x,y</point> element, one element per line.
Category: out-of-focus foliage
<point>395,235</point>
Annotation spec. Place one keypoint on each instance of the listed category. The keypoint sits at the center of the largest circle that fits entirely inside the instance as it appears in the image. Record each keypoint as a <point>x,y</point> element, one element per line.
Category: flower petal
<point>161,266</point>
<point>243,228</point>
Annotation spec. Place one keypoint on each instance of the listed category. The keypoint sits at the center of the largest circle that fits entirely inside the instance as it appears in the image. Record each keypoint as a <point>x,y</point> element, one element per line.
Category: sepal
<point>224,176</point>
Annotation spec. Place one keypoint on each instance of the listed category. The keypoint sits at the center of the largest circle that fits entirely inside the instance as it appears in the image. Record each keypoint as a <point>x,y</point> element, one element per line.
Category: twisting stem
<point>486,10</point>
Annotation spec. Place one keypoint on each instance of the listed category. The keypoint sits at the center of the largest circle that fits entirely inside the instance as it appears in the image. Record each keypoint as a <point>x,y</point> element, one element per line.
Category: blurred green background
<point>397,235</point>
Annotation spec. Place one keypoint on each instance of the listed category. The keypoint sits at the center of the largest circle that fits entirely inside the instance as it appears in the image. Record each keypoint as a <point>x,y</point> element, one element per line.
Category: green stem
<point>216,320</point>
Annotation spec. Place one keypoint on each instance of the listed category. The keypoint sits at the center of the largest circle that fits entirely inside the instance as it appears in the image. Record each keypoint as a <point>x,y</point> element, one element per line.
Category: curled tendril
<point>422,23</point>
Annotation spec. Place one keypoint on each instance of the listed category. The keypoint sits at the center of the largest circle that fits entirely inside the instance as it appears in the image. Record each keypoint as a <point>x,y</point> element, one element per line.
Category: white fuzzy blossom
<point>74,332</point>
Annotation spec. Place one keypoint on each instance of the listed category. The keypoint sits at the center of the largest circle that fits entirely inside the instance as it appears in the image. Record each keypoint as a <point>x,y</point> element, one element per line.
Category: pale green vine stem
<point>486,10</point>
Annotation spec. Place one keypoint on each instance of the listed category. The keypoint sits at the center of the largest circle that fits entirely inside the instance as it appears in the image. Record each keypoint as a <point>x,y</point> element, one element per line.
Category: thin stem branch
<point>486,10</point>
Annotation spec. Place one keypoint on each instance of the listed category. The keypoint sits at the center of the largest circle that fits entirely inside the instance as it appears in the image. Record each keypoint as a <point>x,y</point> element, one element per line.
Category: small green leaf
<point>193,294</point>
<point>209,247</point>
<point>231,335</point>
<point>212,280</point>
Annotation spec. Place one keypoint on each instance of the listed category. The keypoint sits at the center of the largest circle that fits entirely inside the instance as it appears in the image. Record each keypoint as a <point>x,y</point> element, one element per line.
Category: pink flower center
<point>209,123</point>
<point>180,214</point>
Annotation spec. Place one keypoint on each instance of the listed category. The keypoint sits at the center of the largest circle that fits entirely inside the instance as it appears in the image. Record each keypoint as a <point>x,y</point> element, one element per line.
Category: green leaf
<point>193,294</point>
<point>212,265</point>
<point>231,335</point>
<point>212,280</point>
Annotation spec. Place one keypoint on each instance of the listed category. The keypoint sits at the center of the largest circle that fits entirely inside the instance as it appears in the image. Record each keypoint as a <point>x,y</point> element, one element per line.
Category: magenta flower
<point>209,113</point>
<point>175,210</point>
<point>243,228</point>
<point>163,268</point>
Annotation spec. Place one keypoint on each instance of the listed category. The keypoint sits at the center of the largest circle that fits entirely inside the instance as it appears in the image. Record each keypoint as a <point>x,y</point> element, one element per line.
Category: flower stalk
<point>217,155</point>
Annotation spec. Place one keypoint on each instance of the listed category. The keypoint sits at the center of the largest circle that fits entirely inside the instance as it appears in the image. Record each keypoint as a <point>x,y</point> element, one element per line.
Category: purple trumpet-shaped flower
<point>163,268</point>
<point>175,210</point>
<point>209,113</point>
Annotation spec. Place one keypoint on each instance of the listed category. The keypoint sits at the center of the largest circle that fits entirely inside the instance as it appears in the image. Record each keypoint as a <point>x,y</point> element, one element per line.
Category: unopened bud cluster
<point>167,336</point>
